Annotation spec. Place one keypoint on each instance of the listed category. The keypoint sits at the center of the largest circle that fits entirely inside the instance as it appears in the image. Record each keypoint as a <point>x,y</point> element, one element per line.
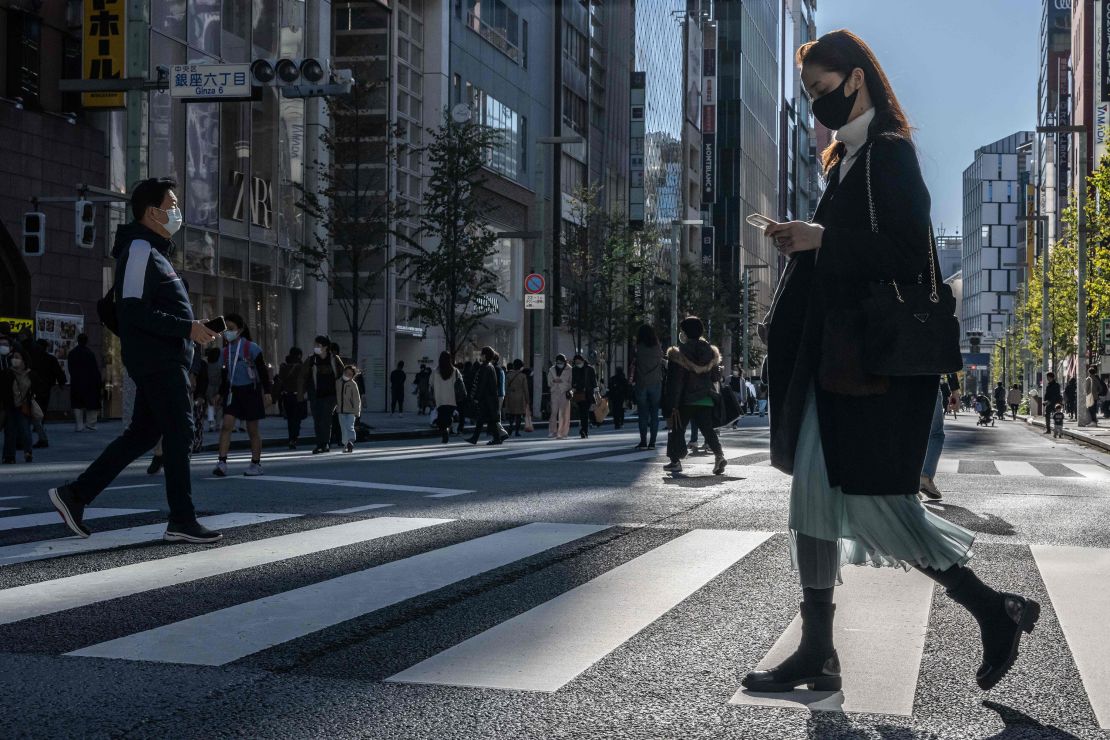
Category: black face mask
<point>833,108</point>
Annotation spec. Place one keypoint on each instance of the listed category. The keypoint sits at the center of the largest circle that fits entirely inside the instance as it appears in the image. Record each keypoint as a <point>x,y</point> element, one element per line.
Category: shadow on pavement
<point>1019,724</point>
<point>699,481</point>
<point>984,523</point>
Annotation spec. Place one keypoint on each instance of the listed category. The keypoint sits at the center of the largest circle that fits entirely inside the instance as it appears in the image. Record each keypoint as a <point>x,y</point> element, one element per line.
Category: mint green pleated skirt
<point>896,530</point>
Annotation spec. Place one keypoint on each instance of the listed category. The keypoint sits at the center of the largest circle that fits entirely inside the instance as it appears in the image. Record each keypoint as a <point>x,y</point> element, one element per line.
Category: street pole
<point>674,281</point>
<point>744,278</point>
<point>1081,292</point>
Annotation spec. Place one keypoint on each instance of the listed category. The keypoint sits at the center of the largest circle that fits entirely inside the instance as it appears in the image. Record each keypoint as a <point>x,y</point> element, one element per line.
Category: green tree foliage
<point>449,263</point>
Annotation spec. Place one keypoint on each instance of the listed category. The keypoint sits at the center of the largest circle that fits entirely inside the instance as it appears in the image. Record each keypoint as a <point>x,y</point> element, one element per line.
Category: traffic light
<point>300,78</point>
<point>34,234</point>
<point>85,224</point>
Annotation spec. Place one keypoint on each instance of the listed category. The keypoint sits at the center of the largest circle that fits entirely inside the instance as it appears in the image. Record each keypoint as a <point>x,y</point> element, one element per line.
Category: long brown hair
<point>842,51</point>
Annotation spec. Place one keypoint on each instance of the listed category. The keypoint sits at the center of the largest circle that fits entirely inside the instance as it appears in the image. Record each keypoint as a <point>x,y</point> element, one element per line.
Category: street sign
<point>534,283</point>
<point>535,301</point>
<point>210,81</point>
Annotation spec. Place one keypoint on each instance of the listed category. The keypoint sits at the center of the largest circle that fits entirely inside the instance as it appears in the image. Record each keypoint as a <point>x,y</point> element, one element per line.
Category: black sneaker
<point>71,508</point>
<point>155,465</point>
<point>192,532</point>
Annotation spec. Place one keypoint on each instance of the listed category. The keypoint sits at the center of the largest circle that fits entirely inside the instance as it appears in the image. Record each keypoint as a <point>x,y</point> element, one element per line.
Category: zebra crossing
<point>749,448</point>
<point>882,624</point>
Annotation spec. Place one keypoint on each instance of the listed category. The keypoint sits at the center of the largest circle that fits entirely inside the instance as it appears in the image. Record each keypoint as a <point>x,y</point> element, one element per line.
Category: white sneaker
<point>675,467</point>
<point>254,469</point>
<point>221,469</point>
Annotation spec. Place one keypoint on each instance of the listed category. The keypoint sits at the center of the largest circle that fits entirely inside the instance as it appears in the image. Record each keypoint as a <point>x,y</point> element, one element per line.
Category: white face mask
<point>4,349</point>
<point>578,364</point>
<point>318,350</point>
<point>173,222</point>
<point>231,335</point>
<point>560,365</point>
<point>682,338</point>
<point>348,377</point>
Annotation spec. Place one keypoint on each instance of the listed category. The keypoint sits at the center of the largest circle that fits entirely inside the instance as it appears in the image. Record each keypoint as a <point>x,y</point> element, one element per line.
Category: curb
<point>1078,437</point>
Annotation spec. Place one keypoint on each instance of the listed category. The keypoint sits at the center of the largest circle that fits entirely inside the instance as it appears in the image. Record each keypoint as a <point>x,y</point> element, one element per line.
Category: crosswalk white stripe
<point>1068,574</point>
<point>577,452</point>
<point>359,484</point>
<point>881,619</point>
<point>47,597</point>
<point>9,508</point>
<point>44,549</point>
<point>1089,470</point>
<point>140,485</point>
<point>10,498</point>
<point>443,495</point>
<point>546,647</point>
<point>222,636</point>
<point>1016,467</point>
<point>482,451</point>
<point>52,517</point>
<point>631,457</point>
<point>356,509</point>
<point>948,465</point>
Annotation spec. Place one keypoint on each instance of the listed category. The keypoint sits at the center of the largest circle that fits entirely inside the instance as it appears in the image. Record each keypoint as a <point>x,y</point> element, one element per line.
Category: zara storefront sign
<point>210,81</point>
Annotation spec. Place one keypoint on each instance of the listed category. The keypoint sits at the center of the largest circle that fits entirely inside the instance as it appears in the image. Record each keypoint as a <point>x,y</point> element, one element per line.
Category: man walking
<point>156,333</point>
<point>1052,396</point>
<point>46,371</point>
<point>397,389</point>
<point>85,384</point>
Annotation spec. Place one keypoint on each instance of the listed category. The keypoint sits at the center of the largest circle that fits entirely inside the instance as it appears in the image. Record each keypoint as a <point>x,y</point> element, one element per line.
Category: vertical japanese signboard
<point>636,152</point>
<point>709,117</point>
<point>103,53</point>
<point>1102,80</point>
<point>707,247</point>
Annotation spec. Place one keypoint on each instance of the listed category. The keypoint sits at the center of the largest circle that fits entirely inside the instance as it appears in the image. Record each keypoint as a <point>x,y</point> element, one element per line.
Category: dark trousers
<point>322,410</point>
<point>444,416</point>
<point>702,418</point>
<point>294,414</point>
<point>163,408</point>
<point>1013,410</point>
<point>616,406</point>
<point>584,418</point>
<point>17,433</point>
<point>397,400</point>
<point>492,420</point>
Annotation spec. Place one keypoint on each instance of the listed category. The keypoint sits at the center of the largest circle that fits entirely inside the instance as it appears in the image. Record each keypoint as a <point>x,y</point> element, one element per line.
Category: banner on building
<point>60,331</point>
<point>11,326</point>
<point>709,116</point>
<point>1102,80</point>
<point>104,49</point>
<point>707,247</point>
<point>636,151</point>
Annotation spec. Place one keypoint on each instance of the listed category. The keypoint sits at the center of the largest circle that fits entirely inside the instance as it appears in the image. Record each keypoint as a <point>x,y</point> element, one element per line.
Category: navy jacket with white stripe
<point>152,304</point>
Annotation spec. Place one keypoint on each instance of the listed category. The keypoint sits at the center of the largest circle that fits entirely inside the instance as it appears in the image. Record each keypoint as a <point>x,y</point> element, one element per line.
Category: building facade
<point>950,249</point>
<point>748,130</point>
<point>993,198</point>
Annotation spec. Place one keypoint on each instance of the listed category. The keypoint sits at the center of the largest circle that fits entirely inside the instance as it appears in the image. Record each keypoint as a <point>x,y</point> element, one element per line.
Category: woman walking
<point>1092,389</point>
<point>856,460</point>
<point>516,397</point>
<point>486,388</point>
<point>348,406</point>
<point>558,379</point>
<point>693,368</point>
<point>17,406</point>
<point>648,371</point>
<point>321,371</point>
<point>292,394</point>
<point>1013,400</point>
<point>619,389</point>
<point>245,391</point>
<point>449,392</point>
<point>583,387</point>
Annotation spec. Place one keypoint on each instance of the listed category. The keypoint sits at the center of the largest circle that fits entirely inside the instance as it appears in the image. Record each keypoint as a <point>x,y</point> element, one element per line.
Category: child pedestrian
<point>349,405</point>
<point>1058,421</point>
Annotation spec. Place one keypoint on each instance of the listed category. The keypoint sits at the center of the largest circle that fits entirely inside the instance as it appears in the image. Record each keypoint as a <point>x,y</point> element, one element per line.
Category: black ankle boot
<point>815,663</point>
<point>1002,617</point>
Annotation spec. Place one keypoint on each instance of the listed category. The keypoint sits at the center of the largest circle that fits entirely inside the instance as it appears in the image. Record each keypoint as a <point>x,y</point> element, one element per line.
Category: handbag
<point>528,425</point>
<point>910,329</point>
<point>726,408</point>
<point>601,410</point>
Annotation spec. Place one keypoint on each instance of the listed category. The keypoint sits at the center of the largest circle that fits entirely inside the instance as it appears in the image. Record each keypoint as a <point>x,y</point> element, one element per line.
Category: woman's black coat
<point>84,379</point>
<point>486,386</point>
<point>873,445</point>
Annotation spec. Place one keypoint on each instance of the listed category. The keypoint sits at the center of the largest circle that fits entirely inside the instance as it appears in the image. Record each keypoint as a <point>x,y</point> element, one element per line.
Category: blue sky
<point>965,72</point>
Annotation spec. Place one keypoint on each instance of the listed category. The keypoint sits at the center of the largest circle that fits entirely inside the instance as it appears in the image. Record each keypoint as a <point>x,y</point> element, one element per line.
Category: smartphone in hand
<point>217,324</point>
<point>760,221</point>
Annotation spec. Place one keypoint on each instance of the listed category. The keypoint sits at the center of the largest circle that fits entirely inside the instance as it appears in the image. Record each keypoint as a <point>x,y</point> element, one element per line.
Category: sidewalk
<point>1095,436</point>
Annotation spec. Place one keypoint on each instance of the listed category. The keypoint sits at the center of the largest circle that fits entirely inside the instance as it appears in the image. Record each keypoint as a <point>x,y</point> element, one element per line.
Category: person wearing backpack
<point>244,389</point>
<point>149,308</point>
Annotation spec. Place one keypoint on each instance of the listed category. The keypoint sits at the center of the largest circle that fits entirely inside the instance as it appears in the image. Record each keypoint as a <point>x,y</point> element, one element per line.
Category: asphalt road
<point>540,589</point>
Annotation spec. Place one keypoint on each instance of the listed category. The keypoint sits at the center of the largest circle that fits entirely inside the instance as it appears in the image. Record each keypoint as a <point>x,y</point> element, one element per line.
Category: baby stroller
<point>986,414</point>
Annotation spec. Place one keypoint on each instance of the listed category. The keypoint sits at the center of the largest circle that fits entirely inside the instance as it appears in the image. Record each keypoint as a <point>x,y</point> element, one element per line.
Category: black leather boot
<point>815,663</point>
<point>1002,617</point>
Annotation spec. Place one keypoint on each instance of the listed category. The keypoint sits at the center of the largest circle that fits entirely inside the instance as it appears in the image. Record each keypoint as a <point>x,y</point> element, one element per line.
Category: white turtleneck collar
<point>853,134</point>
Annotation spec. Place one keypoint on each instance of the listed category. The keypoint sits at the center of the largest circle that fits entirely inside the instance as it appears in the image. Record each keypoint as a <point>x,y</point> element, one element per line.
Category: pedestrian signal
<point>85,224</point>
<point>34,234</point>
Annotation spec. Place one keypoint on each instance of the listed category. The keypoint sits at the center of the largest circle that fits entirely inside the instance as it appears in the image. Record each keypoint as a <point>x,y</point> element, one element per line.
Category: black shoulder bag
<point>911,329</point>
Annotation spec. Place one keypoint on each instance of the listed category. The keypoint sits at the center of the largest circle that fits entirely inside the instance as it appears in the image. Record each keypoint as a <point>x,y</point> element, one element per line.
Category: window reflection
<point>233,258</point>
<point>202,164</point>
<point>168,17</point>
<point>200,251</point>
<point>204,25</point>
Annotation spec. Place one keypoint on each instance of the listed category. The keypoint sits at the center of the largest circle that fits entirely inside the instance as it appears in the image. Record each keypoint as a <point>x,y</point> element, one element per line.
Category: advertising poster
<point>11,325</point>
<point>60,331</point>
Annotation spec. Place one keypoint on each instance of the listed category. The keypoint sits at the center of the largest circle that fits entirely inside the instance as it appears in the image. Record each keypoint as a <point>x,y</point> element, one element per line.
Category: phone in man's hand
<point>217,324</point>
<point>760,221</point>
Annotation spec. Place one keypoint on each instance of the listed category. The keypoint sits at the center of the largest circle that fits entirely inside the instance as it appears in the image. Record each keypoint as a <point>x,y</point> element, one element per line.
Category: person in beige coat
<point>558,380</point>
<point>1092,389</point>
<point>349,405</point>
